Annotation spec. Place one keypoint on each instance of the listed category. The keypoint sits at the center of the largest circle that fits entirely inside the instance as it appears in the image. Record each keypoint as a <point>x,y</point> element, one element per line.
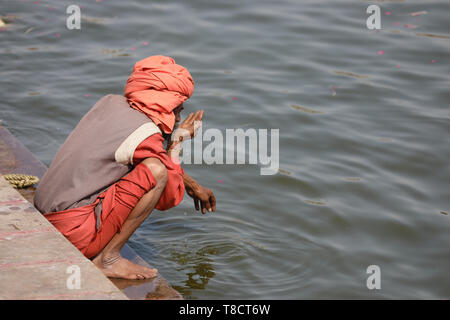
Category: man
<point>113,170</point>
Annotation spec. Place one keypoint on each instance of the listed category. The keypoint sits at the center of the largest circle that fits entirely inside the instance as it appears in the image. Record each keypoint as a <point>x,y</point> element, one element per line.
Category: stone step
<point>47,253</point>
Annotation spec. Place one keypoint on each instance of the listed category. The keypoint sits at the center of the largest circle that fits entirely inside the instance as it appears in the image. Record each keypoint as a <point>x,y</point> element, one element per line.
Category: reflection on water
<point>431,35</point>
<point>350,74</point>
<point>197,267</point>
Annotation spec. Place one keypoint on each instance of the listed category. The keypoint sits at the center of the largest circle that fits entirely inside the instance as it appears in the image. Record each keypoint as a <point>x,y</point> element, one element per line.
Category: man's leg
<point>109,259</point>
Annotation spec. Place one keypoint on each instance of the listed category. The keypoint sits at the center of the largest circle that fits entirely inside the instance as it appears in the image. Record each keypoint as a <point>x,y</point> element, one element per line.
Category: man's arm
<point>203,197</point>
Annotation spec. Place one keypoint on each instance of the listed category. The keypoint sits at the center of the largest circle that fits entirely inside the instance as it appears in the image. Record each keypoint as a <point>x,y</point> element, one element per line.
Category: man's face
<point>177,113</point>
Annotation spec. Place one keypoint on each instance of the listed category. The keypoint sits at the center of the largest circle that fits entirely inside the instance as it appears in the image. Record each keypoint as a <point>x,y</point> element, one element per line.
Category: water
<point>364,128</point>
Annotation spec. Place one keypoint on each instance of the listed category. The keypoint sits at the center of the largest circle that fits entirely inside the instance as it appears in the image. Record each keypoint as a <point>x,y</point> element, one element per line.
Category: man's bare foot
<point>118,267</point>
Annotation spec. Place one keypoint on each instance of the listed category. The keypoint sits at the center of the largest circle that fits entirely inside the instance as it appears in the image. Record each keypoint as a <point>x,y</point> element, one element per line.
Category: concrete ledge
<point>34,256</point>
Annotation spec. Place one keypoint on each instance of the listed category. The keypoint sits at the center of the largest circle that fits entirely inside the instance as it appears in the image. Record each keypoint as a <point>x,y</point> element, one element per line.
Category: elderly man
<point>113,170</point>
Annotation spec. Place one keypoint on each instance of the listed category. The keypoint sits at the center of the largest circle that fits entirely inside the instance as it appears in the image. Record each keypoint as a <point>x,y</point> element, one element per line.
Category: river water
<point>363,119</point>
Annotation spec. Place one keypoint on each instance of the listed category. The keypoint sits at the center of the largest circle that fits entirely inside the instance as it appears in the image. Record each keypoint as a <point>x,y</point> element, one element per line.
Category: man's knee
<point>158,170</point>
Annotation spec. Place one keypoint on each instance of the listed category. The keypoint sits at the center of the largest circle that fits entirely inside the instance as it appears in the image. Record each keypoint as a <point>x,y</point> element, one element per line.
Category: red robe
<point>79,225</point>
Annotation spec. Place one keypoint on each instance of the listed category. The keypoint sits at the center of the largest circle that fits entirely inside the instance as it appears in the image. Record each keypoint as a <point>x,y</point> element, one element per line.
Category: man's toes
<point>150,273</point>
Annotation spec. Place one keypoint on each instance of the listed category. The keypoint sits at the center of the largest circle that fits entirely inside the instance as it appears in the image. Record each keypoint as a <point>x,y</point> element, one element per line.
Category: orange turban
<point>156,87</point>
